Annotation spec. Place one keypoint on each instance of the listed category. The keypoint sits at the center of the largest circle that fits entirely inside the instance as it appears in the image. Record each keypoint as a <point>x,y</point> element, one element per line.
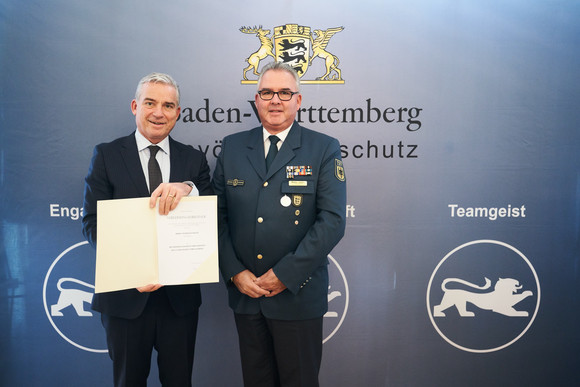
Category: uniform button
<point>297,212</point>
<point>296,222</point>
<point>260,256</point>
<point>260,219</point>
<point>265,184</point>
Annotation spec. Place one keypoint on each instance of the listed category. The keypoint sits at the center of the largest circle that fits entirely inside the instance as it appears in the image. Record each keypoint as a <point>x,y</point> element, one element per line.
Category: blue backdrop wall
<point>460,132</point>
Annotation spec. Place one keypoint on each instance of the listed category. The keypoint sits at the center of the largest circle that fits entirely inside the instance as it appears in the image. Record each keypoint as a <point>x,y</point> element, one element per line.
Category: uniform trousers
<point>279,353</point>
<point>131,343</point>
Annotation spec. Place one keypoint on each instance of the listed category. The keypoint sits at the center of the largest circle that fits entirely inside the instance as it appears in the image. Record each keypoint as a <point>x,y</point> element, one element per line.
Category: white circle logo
<point>338,297</point>
<point>483,296</point>
<point>67,295</point>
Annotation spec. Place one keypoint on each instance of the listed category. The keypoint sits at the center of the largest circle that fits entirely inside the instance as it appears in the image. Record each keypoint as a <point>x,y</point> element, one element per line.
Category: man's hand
<point>169,195</point>
<point>245,282</point>
<point>270,281</point>
<point>149,288</point>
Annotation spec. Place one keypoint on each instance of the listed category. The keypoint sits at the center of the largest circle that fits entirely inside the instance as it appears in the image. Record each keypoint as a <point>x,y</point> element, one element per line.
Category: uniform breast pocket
<point>303,187</point>
<point>298,192</point>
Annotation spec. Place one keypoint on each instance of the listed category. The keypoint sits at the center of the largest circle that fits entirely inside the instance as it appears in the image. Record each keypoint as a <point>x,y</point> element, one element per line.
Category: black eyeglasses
<point>284,95</point>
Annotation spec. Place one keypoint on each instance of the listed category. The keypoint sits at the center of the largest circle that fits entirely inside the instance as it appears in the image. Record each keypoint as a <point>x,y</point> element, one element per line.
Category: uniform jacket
<point>116,173</point>
<point>258,232</point>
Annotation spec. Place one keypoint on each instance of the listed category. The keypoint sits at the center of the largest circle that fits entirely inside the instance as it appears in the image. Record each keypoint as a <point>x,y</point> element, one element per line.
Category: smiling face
<point>156,111</point>
<point>277,115</point>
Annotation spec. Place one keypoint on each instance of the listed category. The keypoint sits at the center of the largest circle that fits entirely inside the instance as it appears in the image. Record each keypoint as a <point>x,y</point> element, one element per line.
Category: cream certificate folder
<point>136,246</point>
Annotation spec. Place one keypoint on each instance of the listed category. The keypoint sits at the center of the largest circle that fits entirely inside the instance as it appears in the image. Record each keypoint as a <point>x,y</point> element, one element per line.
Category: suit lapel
<point>255,146</point>
<point>130,156</point>
<point>174,162</point>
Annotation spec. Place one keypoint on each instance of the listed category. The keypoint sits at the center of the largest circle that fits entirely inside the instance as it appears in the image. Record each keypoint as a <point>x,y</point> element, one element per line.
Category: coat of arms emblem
<point>296,46</point>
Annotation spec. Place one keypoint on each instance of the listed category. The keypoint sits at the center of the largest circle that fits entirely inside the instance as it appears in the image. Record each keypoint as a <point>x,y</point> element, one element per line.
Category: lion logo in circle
<point>500,300</point>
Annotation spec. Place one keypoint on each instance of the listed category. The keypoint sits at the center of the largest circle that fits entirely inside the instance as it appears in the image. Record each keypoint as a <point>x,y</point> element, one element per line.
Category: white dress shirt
<point>162,158</point>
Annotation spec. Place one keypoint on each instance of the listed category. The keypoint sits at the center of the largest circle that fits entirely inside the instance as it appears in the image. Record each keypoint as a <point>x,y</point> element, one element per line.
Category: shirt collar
<point>143,143</point>
<point>282,135</point>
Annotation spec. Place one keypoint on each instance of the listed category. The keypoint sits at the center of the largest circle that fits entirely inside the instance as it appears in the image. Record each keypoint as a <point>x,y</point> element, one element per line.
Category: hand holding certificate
<point>136,246</point>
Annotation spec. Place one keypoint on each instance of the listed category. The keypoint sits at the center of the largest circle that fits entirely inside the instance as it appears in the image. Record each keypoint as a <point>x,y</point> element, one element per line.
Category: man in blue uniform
<point>282,209</point>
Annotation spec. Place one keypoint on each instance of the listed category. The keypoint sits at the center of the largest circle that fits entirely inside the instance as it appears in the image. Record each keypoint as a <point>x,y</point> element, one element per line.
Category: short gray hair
<point>157,78</point>
<point>280,66</point>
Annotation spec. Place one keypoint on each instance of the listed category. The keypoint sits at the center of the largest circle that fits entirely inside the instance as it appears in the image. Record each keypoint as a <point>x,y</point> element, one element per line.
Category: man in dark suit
<point>277,226</point>
<point>152,316</point>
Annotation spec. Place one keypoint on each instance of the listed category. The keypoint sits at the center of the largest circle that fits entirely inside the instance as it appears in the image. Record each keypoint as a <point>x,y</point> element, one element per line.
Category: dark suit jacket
<point>116,173</point>
<point>258,233</point>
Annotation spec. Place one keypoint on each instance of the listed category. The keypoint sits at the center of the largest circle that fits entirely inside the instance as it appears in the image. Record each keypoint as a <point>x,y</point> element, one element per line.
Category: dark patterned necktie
<point>272,152</point>
<point>154,171</point>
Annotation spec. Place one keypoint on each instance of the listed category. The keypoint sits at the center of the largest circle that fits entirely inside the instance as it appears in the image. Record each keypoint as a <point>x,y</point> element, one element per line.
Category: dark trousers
<point>279,353</point>
<point>131,344</point>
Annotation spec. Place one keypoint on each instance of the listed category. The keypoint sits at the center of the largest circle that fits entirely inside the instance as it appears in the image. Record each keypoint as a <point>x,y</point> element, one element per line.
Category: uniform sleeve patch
<point>339,170</point>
